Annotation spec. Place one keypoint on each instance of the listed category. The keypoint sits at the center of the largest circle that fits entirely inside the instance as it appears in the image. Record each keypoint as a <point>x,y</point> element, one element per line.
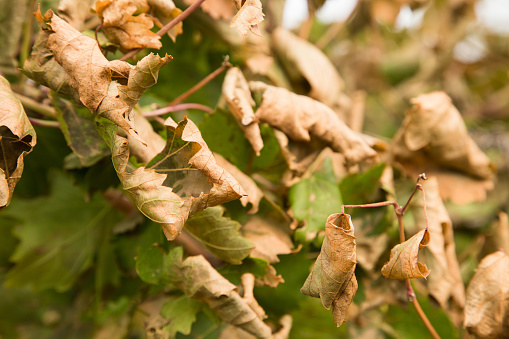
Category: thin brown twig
<point>425,319</point>
<point>176,108</point>
<point>45,110</point>
<point>44,123</point>
<point>224,66</point>
<point>179,18</point>
<point>96,39</point>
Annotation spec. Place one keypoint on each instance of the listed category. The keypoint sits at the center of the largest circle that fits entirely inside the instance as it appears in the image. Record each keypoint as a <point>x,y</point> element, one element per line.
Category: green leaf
<point>181,312</point>
<point>149,264</point>
<point>220,235</point>
<point>357,188</point>
<point>313,199</point>
<point>58,236</point>
<point>78,126</point>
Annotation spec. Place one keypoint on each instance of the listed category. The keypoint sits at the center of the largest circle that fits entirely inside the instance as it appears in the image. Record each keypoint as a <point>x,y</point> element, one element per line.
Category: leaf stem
<point>176,108</point>
<point>45,110</point>
<point>424,318</point>
<point>167,27</point>
<point>224,66</point>
<point>44,123</point>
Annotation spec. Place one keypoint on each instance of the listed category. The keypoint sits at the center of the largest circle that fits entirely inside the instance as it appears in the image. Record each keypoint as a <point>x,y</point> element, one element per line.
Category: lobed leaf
<point>248,17</point>
<point>403,262</point>
<point>332,278</point>
<point>220,235</point>
<point>17,138</point>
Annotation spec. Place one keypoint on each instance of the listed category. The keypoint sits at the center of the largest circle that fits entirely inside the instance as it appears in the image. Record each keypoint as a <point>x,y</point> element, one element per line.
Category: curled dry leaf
<point>180,181</point>
<point>238,97</point>
<point>269,239</point>
<point>248,17</point>
<point>199,280</point>
<point>125,29</point>
<point>17,138</point>
<point>434,138</point>
<point>403,262</point>
<point>445,284</point>
<point>304,62</point>
<point>332,278</point>
<point>304,119</point>
<point>487,305</point>
<point>107,88</point>
<point>254,194</point>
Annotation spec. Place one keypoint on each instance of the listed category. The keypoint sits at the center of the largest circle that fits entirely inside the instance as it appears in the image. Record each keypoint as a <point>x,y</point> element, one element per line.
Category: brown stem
<point>96,39</point>
<point>418,186</point>
<point>44,123</point>
<point>167,27</point>
<point>45,110</point>
<point>224,66</point>
<point>375,204</point>
<point>425,319</point>
<point>176,108</point>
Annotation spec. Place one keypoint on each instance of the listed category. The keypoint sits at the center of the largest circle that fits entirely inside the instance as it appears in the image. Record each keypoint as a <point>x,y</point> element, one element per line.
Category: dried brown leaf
<point>332,278</point>
<point>445,284</point>
<point>125,29</point>
<point>403,262</point>
<point>199,280</point>
<point>107,88</point>
<point>238,97</point>
<point>17,138</point>
<point>254,194</point>
<point>303,61</point>
<point>498,238</point>
<point>181,180</point>
<point>487,305</point>
<point>248,17</point>
<point>304,119</point>
<point>269,239</point>
<point>434,138</point>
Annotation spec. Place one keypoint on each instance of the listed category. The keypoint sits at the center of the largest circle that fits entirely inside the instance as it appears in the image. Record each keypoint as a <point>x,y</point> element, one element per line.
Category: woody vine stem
<point>400,211</point>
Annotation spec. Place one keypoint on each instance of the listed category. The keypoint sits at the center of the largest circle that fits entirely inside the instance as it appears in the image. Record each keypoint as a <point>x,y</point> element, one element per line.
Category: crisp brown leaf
<point>238,97</point>
<point>332,278</point>
<point>199,280</point>
<point>487,305</point>
<point>125,29</point>
<point>434,139</point>
<point>107,88</point>
<point>304,62</point>
<point>248,17</point>
<point>403,262</point>
<point>254,194</point>
<point>445,284</point>
<point>269,239</point>
<point>181,180</point>
<point>307,120</point>
<point>17,138</point>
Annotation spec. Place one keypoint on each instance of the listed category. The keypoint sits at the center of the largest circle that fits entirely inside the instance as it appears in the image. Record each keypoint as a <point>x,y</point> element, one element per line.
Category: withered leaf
<point>199,280</point>
<point>269,239</point>
<point>219,234</point>
<point>17,138</point>
<point>445,284</point>
<point>75,12</point>
<point>180,181</point>
<point>434,138</point>
<point>403,262</point>
<point>248,17</point>
<point>487,305</point>
<point>125,29</point>
<point>42,67</point>
<point>304,62</point>
<point>217,9</point>
<point>332,278</point>
<point>107,88</point>
<point>238,97</point>
<point>301,117</point>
